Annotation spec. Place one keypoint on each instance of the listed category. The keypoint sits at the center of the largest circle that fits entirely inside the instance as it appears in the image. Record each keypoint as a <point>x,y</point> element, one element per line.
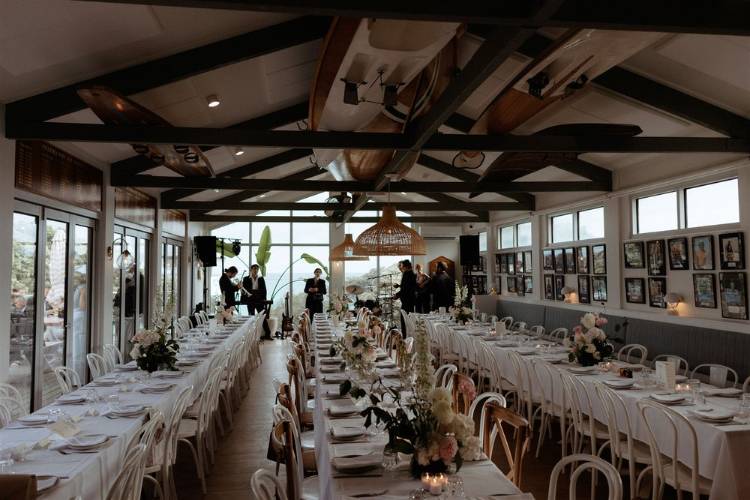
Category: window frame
<point>685,203</point>
<point>635,226</point>
<point>500,236</point>
<point>577,223</point>
<point>551,228</point>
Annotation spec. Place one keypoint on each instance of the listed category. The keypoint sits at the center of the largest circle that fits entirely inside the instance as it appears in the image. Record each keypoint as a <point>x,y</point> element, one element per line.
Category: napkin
<point>361,462</point>
<point>341,409</point>
<point>618,383</point>
<point>726,392</point>
<point>668,398</point>
<point>389,373</point>
<point>330,369</point>
<point>346,431</point>
<point>719,414</point>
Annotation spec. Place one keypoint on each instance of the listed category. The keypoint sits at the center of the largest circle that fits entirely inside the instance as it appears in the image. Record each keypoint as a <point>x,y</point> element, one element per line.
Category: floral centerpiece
<point>226,315</point>
<point>154,349</point>
<point>460,312</point>
<point>357,351</point>
<point>337,307</point>
<point>426,427</point>
<point>589,344</point>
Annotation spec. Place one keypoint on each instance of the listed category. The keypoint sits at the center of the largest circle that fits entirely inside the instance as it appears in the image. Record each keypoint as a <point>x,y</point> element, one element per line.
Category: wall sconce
<point>673,301</point>
<point>125,259</point>
<point>569,292</point>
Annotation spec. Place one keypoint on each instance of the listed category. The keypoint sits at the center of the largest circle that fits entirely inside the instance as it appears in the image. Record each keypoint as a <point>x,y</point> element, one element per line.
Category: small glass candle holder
<point>682,388</point>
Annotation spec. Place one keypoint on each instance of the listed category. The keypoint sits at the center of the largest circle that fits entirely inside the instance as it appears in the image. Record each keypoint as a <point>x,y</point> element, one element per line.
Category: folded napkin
<point>385,364</point>
<point>726,392</point>
<point>370,460</point>
<point>334,379</point>
<point>330,369</point>
<point>668,398</point>
<point>347,431</point>
<point>718,414</point>
<point>619,383</point>
<point>389,373</point>
<point>342,409</point>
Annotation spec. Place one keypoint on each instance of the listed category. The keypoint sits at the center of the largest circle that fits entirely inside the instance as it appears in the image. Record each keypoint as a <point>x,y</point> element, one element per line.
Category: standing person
<point>256,286</point>
<point>423,290</point>
<point>315,288</point>
<point>228,287</point>
<point>407,292</point>
<point>442,287</point>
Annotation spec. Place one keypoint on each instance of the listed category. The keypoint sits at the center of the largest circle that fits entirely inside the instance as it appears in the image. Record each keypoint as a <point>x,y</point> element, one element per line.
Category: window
<point>523,232</point>
<point>506,237</point>
<point>483,241</point>
<point>657,213</point>
<point>712,204</point>
<point>562,228</point>
<point>591,224</point>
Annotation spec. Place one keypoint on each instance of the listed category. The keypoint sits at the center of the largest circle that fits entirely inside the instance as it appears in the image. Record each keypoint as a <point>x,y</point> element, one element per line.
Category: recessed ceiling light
<point>239,151</point>
<point>213,100</point>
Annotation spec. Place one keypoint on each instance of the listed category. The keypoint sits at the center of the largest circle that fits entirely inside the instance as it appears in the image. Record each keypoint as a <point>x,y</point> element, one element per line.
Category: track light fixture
<point>212,100</point>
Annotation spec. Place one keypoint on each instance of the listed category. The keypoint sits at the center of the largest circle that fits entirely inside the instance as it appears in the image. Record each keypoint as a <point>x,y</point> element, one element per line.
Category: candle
<point>436,486</point>
<point>682,388</point>
<point>426,480</point>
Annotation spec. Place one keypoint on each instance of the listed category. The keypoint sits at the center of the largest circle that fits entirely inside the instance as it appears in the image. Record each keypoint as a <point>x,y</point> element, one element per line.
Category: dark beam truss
<point>447,204</point>
<point>444,219</point>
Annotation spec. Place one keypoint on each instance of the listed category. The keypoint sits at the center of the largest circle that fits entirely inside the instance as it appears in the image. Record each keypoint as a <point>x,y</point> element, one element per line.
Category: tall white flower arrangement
<point>423,361</point>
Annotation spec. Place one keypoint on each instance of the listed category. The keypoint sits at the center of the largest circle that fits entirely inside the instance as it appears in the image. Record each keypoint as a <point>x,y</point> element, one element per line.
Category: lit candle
<point>682,388</point>
<point>426,480</point>
<point>436,485</point>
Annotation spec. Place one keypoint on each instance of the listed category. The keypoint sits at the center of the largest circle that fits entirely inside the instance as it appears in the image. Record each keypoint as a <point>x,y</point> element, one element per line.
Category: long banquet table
<point>90,475</point>
<point>480,478</point>
<point>722,449</point>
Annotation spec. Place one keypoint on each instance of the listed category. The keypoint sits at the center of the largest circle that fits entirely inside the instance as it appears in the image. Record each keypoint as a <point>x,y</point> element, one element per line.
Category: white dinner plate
<point>714,415</point>
<point>70,399</point>
<point>346,432</point>
<point>619,383</point>
<point>359,463</point>
<point>33,420</point>
<point>43,483</point>
<point>187,362</point>
<point>158,387</point>
<point>86,441</point>
<point>668,398</point>
<point>127,410</point>
<point>130,367</point>
<point>167,374</point>
<point>582,370</point>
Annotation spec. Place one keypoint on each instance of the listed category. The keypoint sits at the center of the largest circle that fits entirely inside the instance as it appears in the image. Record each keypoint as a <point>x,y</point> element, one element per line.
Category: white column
<point>7,168</point>
<point>613,240</point>
<point>336,269</point>
<point>538,242</point>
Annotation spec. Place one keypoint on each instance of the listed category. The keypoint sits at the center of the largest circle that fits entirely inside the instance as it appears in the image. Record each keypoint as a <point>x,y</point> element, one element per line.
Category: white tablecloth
<point>723,450</point>
<point>91,475</point>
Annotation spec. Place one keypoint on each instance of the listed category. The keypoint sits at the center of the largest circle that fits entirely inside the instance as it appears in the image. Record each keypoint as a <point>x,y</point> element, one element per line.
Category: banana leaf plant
<point>263,255</point>
<point>307,258</point>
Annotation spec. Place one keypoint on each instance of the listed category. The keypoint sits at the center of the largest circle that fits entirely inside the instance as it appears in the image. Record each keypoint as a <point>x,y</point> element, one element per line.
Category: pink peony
<point>578,329</point>
<point>448,448</point>
<point>467,388</point>
<point>601,322</point>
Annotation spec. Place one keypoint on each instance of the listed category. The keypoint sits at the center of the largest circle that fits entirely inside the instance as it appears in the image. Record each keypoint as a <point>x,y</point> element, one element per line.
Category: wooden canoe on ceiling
<point>374,53</point>
<point>114,108</point>
<point>574,59</point>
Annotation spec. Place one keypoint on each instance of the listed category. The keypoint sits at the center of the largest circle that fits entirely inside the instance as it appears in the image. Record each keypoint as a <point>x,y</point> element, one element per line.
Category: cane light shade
<point>389,236</point>
<point>345,251</point>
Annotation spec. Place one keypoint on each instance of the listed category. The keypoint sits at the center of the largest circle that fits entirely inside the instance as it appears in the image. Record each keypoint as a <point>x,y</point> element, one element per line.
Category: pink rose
<point>467,388</point>
<point>601,322</point>
<point>578,329</point>
<point>448,448</point>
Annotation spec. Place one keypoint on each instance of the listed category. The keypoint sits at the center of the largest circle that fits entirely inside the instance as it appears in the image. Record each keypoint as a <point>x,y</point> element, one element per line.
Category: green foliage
<point>263,255</point>
<point>312,260</point>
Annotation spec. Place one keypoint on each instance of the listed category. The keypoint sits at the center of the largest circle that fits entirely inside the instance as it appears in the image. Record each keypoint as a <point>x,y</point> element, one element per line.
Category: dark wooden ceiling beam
<point>447,204</point>
<point>165,70</point>
<point>202,183</point>
<point>724,17</point>
<point>445,219</point>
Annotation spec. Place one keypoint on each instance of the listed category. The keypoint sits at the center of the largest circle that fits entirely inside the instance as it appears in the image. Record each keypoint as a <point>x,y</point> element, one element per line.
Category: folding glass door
<point>130,254</point>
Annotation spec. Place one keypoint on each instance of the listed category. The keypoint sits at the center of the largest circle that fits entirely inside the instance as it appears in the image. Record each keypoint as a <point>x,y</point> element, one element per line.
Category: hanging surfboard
<point>374,75</point>
<point>115,109</point>
<point>574,59</point>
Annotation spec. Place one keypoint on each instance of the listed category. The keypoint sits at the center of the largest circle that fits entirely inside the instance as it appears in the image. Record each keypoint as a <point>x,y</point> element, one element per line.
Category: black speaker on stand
<point>205,249</point>
<point>469,253</point>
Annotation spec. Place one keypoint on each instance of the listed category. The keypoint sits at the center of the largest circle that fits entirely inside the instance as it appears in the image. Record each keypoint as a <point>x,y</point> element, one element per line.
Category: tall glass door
<point>129,284</point>
<point>50,295</point>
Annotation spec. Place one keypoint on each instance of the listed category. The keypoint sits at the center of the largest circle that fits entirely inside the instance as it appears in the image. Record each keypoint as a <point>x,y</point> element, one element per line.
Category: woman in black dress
<point>315,288</point>
<point>228,287</point>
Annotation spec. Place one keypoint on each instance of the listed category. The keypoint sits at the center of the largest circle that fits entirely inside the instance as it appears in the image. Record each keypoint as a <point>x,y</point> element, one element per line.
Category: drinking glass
<point>695,389</point>
<point>743,412</point>
<point>455,487</point>
<point>390,459</point>
<point>6,459</point>
<point>113,401</point>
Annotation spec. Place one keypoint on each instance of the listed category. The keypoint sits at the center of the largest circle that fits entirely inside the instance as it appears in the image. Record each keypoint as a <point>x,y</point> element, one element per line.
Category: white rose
<point>135,353</point>
<point>422,457</point>
<point>463,427</point>
<point>470,449</point>
<point>440,394</point>
<point>443,412</point>
<point>588,321</point>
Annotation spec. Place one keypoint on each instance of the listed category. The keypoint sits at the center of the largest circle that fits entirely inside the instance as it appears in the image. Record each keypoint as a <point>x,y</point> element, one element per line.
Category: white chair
<point>67,379</point>
<point>480,403</point>
<point>266,486</point>
<point>585,428</point>
<point>680,364</point>
<point>5,416</point>
<point>668,469</point>
<point>718,375</point>
<point>129,480</point>
<point>552,403</point>
<point>14,407</point>
<point>508,320</point>
<point>746,385</point>
<point>8,391</point>
<point>518,326</point>
<point>113,356</point>
<point>629,352</point>
<point>558,334</point>
<point>97,365</point>
<point>585,462</point>
<point>537,331</point>
<point>444,375</point>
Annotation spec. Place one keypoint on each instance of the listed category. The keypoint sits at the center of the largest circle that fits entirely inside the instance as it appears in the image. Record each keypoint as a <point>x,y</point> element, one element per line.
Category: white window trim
<point>574,211</point>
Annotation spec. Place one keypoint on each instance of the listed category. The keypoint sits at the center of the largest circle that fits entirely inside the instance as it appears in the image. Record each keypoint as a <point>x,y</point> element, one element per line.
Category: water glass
<point>743,412</point>
<point>695,389</point>
<point>390,459</point>
<point>6,459</point>
<point>113,401</point>
<point>454,488</point>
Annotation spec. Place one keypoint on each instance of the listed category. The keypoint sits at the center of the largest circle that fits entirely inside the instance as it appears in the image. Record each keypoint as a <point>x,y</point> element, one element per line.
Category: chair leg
<point>197,459</point>
<point>157,486</point>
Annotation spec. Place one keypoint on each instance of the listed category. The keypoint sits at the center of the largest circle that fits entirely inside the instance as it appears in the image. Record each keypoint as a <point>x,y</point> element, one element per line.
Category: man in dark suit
<point>407,291</point>
<point>443,287</point>
<point>315,288</point>
<point>256,286</point>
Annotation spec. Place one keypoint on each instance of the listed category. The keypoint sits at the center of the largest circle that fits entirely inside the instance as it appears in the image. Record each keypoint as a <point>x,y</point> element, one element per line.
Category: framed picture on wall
<point>732,250</point>
<point>501,263</point>
<point>512,288</point>
<point>633,251</point>
<point>519,263</point>
<point>559,285</point>
<point>582,260</point>
<point>635,290</point>
<point>528,284</point>
<point>584,289</point>
<point>510,261</point>
<point>656,257</point>
<point>704,290</point>
<point>657,292</point>
<point>549,260</point>
<point>599,259</point>
<point>703,253</point>
<point>733,289</point>
<point>559,260</point>
<point>599,288</point>
<point>549,287</point>
<point>528,262</point>
<point>570,260</point>
<point>678,254</point>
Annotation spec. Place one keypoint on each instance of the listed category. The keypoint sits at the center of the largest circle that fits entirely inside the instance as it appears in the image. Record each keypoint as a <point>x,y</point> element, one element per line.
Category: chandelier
<point>389,236</point>
<point>345,251</point>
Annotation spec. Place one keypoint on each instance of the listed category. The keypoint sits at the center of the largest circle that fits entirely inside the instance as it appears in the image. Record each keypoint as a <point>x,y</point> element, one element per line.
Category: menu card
<point>666,374</point>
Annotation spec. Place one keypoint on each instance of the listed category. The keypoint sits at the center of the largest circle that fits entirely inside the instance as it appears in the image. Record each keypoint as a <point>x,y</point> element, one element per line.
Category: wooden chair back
<point>494,418</point>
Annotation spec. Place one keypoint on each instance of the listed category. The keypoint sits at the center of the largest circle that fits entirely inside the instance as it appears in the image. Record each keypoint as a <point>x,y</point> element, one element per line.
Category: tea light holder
<point>682,388</point>
<point>426,480</point>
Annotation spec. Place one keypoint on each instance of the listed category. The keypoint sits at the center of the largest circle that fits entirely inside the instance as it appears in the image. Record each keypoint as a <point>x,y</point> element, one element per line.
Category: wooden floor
<point>243,451</point>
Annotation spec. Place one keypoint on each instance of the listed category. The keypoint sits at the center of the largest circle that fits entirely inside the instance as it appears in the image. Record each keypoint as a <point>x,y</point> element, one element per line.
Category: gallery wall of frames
<point>674,252</point>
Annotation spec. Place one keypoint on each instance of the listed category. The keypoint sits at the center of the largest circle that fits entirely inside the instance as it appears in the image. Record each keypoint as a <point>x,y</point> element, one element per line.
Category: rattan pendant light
<point>345,251</point>
<point>389,236</point>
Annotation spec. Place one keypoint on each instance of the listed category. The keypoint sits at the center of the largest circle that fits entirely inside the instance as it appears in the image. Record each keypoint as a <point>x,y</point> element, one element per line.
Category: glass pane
<point>235,231</point>
<point>129,292</point>
<point>303,270</point>
<point>591,224</point>
<point>241,262</point>
<point>277,276</point>
<point>116,295</point>
<point>317,198</point>
<point>483,241</point>
<point>55,302</point>
<point>309,232</point>
<point>361,272</point>
<point>168,267</point>
<point>80,331</point>
<point>279,230</point>
<point>562,228</point>
<point>524,234</point>
<point>506,237</point>
<point>712,204</point>
<point>143,286</point>
<point>23,286</point>
<point>657,213</point>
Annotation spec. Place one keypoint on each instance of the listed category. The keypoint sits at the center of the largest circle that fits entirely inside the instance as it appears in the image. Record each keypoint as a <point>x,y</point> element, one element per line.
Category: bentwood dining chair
<point>444,375</point>
<point>495,417</point>
<point>671,433</point>
<point>129,480</point>
<point>5,416</point>
<point>718,375</point>
<point>298,487</point>
<point>266,486</point>
<point>112,356</point>
<point>680,364</point>
<point>746,385</point>
<point>97,364</point>
<point>633,353</point>
<point>585,463</point>
<point>558,334</point>
<point>15,407</point>
<point>10,392</point>
<point>480,404</point>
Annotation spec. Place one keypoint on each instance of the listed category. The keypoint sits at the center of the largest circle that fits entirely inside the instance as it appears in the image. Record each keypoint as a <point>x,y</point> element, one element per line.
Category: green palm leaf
<point>263,254</point>
<point>312,260</point>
